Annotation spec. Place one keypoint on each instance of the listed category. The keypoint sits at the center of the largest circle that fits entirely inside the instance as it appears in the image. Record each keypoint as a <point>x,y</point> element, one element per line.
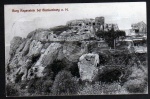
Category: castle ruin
<point>98,24</point>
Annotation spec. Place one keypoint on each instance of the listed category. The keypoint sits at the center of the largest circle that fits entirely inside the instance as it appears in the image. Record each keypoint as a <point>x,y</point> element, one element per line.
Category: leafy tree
<point>111,36</point>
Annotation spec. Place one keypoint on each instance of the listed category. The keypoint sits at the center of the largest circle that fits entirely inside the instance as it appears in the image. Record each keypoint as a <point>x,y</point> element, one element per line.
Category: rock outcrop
<point>35,48</point>
<point>88,66</point>
<point>18,67</point>
<point>14,44</point>
<point>46,59</point>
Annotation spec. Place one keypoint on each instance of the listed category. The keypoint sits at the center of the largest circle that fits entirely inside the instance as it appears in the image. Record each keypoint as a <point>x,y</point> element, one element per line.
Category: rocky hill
<point>30,56</point>
<point>46,52</point>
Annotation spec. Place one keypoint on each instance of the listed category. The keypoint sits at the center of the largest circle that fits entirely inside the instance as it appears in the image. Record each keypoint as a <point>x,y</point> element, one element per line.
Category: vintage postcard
<point>76,49</point>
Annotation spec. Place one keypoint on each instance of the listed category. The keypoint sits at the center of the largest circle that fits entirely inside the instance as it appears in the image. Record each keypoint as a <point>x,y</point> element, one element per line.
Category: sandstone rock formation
<point>35,48</point>
<point>46,59</point>
<point>14,44</point>
<point>88,66</point>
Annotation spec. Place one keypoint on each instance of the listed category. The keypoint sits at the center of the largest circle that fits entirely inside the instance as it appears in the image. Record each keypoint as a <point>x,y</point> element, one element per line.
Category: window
<point>137,30</point>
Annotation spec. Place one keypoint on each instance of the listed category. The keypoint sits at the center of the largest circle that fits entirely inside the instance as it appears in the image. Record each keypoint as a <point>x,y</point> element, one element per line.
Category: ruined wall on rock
<point>98,24</point>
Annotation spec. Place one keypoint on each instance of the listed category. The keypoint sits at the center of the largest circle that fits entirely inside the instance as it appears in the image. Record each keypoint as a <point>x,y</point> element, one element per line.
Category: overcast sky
<point>20,24</point>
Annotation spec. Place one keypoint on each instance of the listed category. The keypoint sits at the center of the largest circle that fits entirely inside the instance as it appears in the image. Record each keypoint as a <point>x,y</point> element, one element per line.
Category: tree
<point>111,36</point>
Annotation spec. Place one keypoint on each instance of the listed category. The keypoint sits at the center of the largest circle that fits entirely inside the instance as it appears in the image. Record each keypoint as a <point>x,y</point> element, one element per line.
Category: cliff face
<point>30,57</point>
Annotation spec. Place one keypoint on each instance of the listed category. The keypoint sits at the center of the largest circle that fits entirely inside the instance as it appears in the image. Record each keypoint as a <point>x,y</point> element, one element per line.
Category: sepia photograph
<point>76,49</point>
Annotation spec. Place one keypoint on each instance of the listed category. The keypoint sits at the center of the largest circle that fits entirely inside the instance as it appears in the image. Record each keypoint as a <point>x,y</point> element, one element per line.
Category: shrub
<point>47,84</point>
<point>136,86</point>
<point>38,85</point>
<point>74,69</point>
<point>114,88</point>
<point>137,73</point>
<point>110,36</point>
<point>11,90</point>
<point>31,86</point>
<point>64,84</point>
<point>137,80</point>
<point>101,88</point>
<point>23,84</point>
<point>57,66</point>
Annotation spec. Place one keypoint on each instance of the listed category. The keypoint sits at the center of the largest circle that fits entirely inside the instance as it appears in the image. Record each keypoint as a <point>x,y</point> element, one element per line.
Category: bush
<point>57,66</point>
<point>137,73</point>
<point>100,88</point>
<point>136,86</point>
<point>23,84</point>
<point>11,90</point>
<point>31,86</point>
<point>110,36</point>
<point>47,85</point>
<point>64,84</point>
<point>137,81</point>
<point>38,85</point>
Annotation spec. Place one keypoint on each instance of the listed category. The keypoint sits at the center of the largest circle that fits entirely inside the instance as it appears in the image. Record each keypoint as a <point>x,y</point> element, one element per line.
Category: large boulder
<point>88,66</point>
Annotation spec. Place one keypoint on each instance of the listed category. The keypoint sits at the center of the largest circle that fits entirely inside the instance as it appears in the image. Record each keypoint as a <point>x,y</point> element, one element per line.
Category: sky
<point>20,24</point>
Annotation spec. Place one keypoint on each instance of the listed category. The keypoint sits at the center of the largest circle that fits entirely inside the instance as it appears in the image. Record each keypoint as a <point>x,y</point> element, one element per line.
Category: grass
<point>100,88</point>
